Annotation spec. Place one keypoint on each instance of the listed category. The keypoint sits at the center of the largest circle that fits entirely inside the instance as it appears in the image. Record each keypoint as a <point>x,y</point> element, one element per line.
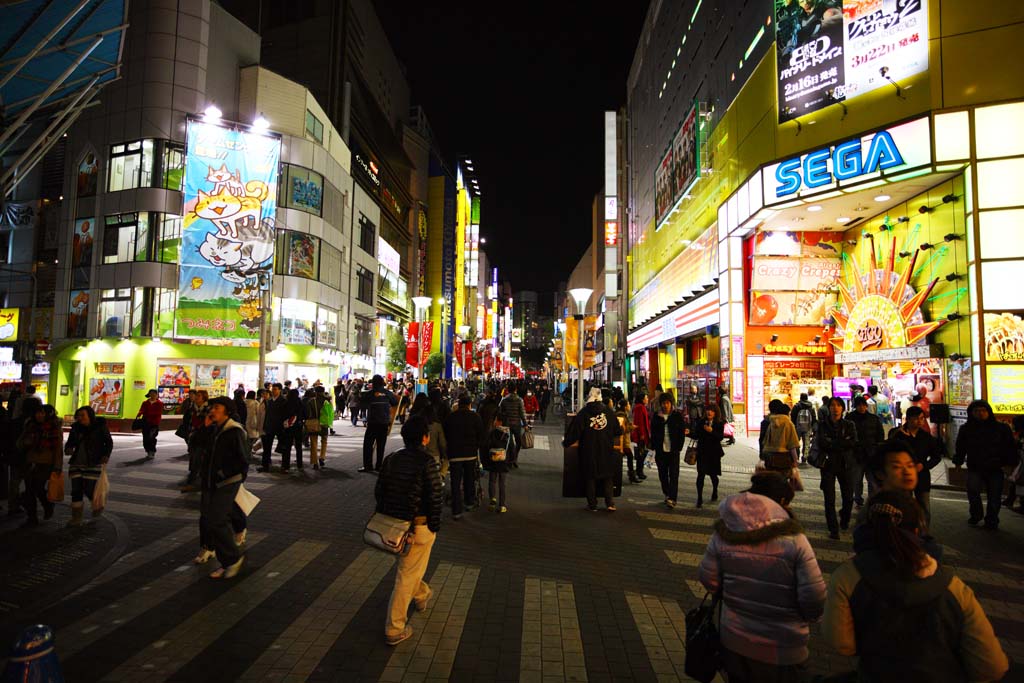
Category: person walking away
<point>151,411</point>
<point>326,425</point>
<point>725,410</point>
<point>291,434</point>
<point>241,407</point>
<point>26,410</point>
<point>595,429</point>
<point>255,414</point>
<point>222,474</point>
<point>438,446</point>
<point>823,412</point>
<point>379,402</point>
<point>355,401</point>
<point>906,616</point>
<point>409,488</point>
<point>869,434</point>
<point>464,434</point>
<point>762,566</point>
<point>314,403</point>
<point>41,441</point>
<point>493,457</point>
<point>89,446</point>
<point>513,416</point>
<point>805,419</point>
<point>545,401</point>
<point>624,444</point>
<point>837,445</point>
<point>487,409</point>
<point>926,452</point>
<point>531,407</point>
<point>779,440</point>
<point>709,432</point>
<point>339,402</point>
<point>641,438</point>
<point>987,446</point>
<point>273,424</point>
<point>668,436</point>
<point>186,410</point>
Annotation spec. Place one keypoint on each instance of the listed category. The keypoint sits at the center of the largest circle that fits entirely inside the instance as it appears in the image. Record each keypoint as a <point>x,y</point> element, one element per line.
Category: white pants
<point>409,583</point>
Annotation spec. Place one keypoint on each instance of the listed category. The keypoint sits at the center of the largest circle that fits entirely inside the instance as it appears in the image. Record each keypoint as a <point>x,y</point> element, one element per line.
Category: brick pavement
<point>547,592</point>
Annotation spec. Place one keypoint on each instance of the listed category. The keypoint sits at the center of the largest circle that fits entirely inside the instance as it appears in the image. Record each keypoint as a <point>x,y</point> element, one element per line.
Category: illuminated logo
<point>848,160</point>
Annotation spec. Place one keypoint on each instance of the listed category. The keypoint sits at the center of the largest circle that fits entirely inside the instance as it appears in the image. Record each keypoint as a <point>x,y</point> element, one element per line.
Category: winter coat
<point>409,486</point>
<point>530,404</point>
<point>96,444</point>
<point>596,428</point>
<point>926,628</point>
<point>512,412</point>
<point>870,433</point>
<point>273,418</point>
<point>499,437</point>
<point>378,405</point>
<point>925,449</point>
<point>794,415</point>
<point>778,436</point>
<point>641,425</point>
<point>709,447</point>
<point>986,445</point>
<point>770,580</point>
<point>255,415</point>
<point>41,443</point>
<point>725,406</point>
<point>837,444</point>
<point>354,396</point>
<point>487,409</point>
<point>152,412</point>
<point>464,431</point>
<point>227,459</point>
<point>437,447</point>
<point>676,431</point>
<point>694,408</point>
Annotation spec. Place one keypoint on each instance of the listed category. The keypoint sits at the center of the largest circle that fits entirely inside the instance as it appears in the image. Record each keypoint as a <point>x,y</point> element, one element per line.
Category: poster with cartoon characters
<point>227,240</point>
<point>105,394</point>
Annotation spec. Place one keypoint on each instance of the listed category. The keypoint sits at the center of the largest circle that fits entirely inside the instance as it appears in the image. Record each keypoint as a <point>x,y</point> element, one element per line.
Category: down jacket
<point>986,445</point>
<point>409,486</point>
<point>770,580</point>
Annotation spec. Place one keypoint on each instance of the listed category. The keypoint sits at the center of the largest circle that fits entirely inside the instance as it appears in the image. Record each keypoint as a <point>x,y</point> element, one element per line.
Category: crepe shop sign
<point>801,349</point>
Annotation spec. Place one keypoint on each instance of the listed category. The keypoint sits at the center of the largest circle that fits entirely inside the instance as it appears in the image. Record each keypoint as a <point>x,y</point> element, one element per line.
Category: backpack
<point>803,419</point>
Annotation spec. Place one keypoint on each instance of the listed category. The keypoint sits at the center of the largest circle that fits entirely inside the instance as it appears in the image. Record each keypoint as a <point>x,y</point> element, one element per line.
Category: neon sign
<point>848,160</point>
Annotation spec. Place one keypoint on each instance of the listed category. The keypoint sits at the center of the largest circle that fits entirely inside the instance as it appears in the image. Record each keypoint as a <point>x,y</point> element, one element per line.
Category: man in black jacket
<point>409,488</point>
<point>987,445</point>
<point>869,434</point>
<point>924,449</point>
<point>273,423</point>
<point>464,432</point>
<point>378,401</point>
<point>837,446</point>
<point>222,473</point>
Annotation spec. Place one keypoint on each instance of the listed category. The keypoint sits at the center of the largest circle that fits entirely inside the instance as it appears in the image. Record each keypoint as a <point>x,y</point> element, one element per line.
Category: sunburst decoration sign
<point>882,310</point>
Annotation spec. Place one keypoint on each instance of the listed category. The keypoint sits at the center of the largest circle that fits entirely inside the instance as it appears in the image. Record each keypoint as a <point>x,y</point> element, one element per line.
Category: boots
<point>76,515</point>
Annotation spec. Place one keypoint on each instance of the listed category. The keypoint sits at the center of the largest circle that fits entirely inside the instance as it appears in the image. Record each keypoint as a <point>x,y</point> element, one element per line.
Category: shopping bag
<point>99,494</point>
<point>729,431</point>
<point>795,480</point>
<point>55,487</point>
<point>527,438</point>
<point>245,500</point>
<point>703,648</point>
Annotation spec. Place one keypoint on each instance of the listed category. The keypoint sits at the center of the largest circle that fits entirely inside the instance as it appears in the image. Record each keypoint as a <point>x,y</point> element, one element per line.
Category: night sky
<point>522,88</point>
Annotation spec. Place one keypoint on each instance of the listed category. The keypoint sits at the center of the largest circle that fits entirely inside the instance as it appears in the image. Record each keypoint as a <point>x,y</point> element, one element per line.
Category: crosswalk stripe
<point>131,561</point>
<point>330,612</point>
<point>661,624</point>
<point>430,652</point>
<point>124,507</point>
<point>205,626</point>
<point>177,479</point>
<point>107,619</point>
<point>552,645</point>
<point>684,558</point>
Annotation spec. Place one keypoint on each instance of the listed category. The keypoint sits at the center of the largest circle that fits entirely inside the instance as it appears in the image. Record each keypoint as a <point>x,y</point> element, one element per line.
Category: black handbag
<point>138,423</point>
<point>703,647</point>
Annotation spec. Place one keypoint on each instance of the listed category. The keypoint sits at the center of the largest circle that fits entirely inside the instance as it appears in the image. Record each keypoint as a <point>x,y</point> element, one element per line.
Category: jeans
<point>517,442</point>
<point>409,583</point>
<point>991,482</point>
<point>668,473</point>
<point>376,435</point>
<point>149,433</point>
<point>318,446</point>
<point>463,474</point>
<point>805,444</point>
<point>637,455</point>
<point>354,414</point>
<point>846,486</point>
<point>607,487</point>
<point>217,522</point>
<point>497,479</point>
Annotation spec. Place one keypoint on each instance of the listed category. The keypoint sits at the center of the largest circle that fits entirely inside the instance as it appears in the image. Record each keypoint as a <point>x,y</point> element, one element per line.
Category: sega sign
<point>901,147</point>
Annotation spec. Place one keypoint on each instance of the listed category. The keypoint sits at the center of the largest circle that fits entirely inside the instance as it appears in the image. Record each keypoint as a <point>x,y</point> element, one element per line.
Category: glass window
<point>298,254</point>
<point>126,238</point>
<point>367,235</point>
<point>115,312</point>
<point>169,239</point>
<point>326,327</point>
<point>298,318</point>
<point>165,301</point>
<point>302,189</point>
<point>131,165</point>
<point>330,265</point>
<point>364,291</point>
<point>364,335</point>
<point>314,128</point>
<point>172,167</point>
<point>141,307</point>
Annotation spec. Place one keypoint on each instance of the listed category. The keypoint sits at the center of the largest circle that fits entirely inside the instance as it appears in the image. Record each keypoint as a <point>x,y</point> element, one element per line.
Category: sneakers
<point>494,505</point>
<point>365,470</point>
<point>422,605</point>
<point>406,634</point>
<point>669,503</point>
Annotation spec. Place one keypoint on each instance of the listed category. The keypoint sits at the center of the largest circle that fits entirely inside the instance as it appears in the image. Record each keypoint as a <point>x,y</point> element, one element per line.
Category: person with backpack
<point>513,416</point>
<point>778,440</point>
<point>805,419</point>
<point>836,444</point>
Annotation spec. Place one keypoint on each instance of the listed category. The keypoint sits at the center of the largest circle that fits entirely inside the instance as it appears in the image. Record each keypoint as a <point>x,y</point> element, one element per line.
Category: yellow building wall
<point>435,246</point>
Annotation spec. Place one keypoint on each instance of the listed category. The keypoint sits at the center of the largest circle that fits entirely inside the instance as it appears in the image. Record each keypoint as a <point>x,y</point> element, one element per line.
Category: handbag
<point>814,455</point>
<point>55,487</point>
<point>138,423</point>
<point>703,647</point>
<point>691,454</point>
<point>245,500</point>
<point>312,425</point>
<point>527,438</point>
<point>388,534</point>
<point>99,494</point>
<point>182,432</point>
<point>499,454</point>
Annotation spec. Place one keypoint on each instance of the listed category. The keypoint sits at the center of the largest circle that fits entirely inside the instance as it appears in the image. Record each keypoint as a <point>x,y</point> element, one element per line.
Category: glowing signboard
<point>9,324</point>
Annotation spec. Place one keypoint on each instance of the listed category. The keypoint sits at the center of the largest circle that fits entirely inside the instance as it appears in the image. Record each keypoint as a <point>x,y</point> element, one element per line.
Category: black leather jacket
<point>409,486</point>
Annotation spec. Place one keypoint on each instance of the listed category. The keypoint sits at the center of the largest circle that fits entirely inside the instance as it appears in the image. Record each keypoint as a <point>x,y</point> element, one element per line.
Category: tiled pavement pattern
<point>547,592</point>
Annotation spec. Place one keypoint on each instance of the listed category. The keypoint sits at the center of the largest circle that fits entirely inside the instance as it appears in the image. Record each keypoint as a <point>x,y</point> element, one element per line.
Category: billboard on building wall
<point>838,49</point>
<point>679,168</point>
<point>227,239</point>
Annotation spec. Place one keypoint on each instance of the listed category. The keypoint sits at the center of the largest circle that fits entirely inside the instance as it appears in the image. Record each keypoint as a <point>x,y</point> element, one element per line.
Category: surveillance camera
<point>883,71</point>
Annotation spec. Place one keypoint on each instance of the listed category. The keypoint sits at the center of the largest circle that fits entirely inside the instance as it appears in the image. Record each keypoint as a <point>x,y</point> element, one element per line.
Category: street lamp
<point>422,305</point>
<point>580,295</point>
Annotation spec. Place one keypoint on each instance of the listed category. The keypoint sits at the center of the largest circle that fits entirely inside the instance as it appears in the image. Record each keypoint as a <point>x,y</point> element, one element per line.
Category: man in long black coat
<point>595,429</point>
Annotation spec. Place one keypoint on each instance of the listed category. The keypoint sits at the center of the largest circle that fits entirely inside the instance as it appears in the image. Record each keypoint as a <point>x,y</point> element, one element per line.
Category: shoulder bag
<point>138,423</point>
<point>691,453</point>
<point>527,438</point>
<point>499,454</point>
<point>388,533</point>
<point>703,647</point>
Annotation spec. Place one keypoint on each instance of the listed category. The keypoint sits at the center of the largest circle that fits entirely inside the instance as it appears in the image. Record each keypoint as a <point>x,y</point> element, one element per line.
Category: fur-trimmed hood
<point>747,519</point>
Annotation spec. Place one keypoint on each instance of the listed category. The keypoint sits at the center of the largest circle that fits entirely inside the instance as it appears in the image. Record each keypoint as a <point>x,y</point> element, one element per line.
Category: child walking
<point>494,456</point>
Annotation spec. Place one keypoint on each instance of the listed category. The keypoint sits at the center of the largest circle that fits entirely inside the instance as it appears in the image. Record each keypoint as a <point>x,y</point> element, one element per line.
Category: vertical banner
<point>227,240</point>
<point>557,358</point>
<point>572,343</point>
<point>589,341</point>
<point>412,344</point>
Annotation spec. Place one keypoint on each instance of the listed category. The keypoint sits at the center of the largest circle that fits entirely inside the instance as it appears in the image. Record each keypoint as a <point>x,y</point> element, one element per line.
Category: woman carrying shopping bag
<point>89,446</point>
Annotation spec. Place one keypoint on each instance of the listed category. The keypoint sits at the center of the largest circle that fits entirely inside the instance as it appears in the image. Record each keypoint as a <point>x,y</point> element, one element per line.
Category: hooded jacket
<point>926,628</point>
<point>986,445</point>
<point>781,436</point>
<point>770,580</point>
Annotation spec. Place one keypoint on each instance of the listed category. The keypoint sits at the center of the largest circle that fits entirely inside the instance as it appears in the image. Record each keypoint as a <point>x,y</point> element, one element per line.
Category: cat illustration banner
<point>227,239</point>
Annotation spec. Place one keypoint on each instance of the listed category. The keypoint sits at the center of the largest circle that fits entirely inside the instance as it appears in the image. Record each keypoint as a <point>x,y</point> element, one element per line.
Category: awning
<point>54,58</point>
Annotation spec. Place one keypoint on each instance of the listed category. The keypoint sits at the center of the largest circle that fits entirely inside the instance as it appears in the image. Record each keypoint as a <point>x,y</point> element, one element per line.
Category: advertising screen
<point>832,50</point>
<point>679,168</point>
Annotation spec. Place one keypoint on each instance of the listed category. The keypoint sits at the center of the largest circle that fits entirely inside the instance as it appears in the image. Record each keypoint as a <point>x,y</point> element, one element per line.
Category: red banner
<point>412,342</point>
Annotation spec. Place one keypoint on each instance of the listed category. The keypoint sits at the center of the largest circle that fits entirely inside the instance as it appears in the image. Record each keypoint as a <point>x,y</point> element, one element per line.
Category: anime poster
<point>105,395</point>
<point>78,313</point>
<point>302,255</point>
<point>227,241</point>
<point>213,378</point>
<point>174,375</point>
<point>88,171</point>
<point>81,251</point>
